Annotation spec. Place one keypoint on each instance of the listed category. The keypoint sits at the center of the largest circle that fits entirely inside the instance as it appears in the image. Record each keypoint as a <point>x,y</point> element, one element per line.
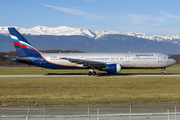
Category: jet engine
<point>111,68</point>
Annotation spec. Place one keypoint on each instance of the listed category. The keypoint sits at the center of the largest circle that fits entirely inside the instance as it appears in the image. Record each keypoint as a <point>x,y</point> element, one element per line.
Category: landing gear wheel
<point>89,73</point>
<point>93,73</point>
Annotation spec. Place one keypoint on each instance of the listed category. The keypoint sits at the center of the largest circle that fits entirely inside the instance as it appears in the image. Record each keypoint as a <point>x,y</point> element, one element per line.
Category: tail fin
<point>23,47</point>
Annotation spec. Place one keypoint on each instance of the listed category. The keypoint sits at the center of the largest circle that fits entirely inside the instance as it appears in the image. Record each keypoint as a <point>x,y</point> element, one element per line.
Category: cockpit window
<point>170,57</point>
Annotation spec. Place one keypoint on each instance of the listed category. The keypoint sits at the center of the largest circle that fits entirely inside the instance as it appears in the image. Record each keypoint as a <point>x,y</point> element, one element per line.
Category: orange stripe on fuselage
<point>59,64</point>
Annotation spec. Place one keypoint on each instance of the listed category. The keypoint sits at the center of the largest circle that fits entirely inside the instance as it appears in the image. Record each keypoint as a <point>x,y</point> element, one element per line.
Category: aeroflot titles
<point>144,55</point>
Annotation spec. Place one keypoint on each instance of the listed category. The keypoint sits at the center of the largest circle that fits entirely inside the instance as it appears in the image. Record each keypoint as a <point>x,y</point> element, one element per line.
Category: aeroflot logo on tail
<point>22,44</point>
<point>138,55</point>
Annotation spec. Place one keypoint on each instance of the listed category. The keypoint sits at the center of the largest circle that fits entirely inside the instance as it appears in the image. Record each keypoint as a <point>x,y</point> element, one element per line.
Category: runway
<point>86,76</point>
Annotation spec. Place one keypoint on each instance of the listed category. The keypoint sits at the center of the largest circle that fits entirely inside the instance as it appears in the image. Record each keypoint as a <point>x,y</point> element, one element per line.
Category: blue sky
<point>152,17</point>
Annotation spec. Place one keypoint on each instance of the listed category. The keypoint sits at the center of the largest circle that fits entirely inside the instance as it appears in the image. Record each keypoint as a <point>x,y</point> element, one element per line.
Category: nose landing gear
<point>163,70</point>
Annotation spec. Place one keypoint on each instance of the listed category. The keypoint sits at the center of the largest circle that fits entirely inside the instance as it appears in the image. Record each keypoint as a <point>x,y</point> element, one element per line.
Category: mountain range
<point>67,38</point>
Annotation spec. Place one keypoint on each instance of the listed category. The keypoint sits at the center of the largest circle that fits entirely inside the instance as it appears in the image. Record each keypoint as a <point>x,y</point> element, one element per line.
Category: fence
<point>119,112</point>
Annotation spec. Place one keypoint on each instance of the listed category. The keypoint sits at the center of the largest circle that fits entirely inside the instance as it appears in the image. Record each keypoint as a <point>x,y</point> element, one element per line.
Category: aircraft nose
<point>173,61</point>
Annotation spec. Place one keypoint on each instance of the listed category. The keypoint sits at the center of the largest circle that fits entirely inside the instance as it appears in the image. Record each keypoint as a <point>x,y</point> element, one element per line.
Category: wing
<point>85,63</point>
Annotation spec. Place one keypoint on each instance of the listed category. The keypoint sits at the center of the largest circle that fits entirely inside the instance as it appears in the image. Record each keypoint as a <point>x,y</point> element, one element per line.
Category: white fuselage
<point>126,60</point>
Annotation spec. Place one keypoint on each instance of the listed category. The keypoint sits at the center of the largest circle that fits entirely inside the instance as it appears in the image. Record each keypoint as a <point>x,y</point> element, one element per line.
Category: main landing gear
<point>163,70</point>
<point>91,72</point>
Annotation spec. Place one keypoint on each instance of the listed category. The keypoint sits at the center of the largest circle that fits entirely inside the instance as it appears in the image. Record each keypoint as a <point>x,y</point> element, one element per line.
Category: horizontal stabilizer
<point>17,58</point>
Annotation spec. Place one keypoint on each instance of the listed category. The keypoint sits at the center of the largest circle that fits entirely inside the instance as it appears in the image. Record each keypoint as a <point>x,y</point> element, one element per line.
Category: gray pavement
<point>106,112</point>
<point>86,76</point>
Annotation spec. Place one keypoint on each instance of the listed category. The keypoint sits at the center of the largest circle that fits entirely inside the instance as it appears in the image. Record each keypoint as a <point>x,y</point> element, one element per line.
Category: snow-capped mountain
<point>155,37</point>
<point>68,31</point>
<point>58,31</point>
<point>67,38</point>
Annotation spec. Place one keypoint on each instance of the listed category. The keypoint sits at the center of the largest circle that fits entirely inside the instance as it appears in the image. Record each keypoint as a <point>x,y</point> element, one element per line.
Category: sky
<point>151,17</point>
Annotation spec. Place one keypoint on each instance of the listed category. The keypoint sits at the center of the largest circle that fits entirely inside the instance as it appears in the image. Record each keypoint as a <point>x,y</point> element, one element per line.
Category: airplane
<point>109,62</point>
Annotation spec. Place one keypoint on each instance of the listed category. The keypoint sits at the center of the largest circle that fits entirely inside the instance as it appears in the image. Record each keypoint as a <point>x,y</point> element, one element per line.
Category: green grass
<point>89,91</point>
<point>175,66</point>
<point>33,71</point>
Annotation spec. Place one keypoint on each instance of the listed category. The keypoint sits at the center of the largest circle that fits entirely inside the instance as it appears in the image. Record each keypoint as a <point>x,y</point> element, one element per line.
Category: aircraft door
<point>127,59</point>
<point>159,59</point>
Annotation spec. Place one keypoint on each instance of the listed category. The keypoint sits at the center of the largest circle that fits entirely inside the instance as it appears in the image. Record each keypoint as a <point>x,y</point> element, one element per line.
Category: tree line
<point>176,57</point>
<point>6,62</point>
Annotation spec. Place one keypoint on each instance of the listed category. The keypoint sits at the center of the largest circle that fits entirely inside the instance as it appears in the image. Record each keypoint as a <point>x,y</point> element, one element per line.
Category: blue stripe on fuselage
<point>38,60</point>
<point>46,64</point>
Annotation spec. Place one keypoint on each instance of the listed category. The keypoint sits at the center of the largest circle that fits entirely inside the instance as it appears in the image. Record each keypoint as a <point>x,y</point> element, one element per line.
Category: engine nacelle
<point>111,68</point>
